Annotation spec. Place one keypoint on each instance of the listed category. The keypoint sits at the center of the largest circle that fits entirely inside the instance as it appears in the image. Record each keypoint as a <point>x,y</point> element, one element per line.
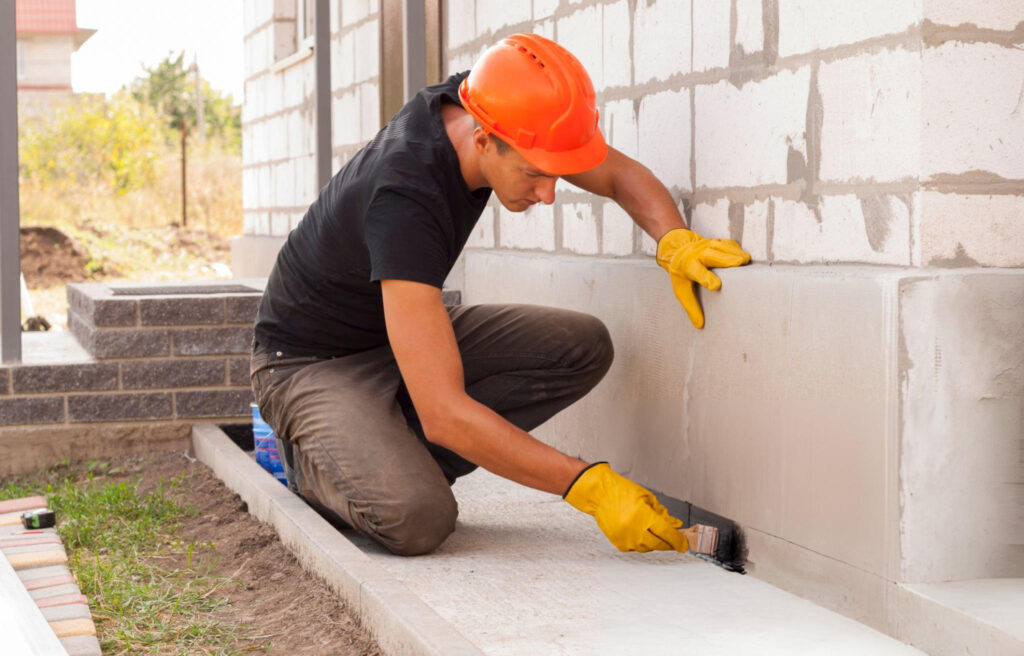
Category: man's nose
<point>546,190</point>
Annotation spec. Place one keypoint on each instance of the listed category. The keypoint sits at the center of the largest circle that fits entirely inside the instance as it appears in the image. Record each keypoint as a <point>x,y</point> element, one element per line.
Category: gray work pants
<point>359,455</point>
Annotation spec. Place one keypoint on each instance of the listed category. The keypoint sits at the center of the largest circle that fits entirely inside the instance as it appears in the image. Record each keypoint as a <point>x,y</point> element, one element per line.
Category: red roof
<point>45,17</point>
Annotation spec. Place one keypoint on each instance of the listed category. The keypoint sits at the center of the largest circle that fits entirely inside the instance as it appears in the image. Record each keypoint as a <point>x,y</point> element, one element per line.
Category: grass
<point>116,537</point>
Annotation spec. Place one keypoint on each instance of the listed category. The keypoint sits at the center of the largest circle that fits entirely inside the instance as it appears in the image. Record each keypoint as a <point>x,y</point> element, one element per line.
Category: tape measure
<point>44,518</point>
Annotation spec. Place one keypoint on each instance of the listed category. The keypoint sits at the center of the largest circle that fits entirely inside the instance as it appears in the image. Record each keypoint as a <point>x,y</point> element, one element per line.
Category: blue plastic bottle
<point>265,446</point>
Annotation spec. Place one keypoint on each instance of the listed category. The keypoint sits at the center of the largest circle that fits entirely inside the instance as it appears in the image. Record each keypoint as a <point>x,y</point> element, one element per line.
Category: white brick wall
<point>806,25</point>
<point>664,136</point>
<point>988,230</point>
<point>579,228</point>
<point>544,8</point>
<point>871,124</point>
<point>661,39</point>
<point>710,34</point>
<point>755,230</point>
<point>461,20</point>
<point>743,135</point>
<point>616,230</point>
<point>534,228</point>
<point>367,50</point>
<point>972,110</point>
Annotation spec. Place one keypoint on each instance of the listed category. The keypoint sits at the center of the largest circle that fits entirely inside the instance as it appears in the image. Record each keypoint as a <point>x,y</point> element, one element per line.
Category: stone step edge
<point>401,622</point>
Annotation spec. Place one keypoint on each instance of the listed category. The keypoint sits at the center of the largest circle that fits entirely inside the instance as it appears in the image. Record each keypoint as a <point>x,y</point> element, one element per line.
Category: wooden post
<point>184,187</point>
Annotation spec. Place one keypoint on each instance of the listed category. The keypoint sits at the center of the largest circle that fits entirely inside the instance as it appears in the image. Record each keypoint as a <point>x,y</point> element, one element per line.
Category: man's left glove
<point>686,256</point>
<point>629,514</point>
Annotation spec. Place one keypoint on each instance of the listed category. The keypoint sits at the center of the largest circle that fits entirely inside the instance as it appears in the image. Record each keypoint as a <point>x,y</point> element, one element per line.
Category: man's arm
<point>632,185</point>
<point>421,336</point>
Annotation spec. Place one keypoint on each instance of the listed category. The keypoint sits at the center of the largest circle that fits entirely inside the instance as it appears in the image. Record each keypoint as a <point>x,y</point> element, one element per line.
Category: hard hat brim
<point>567,162</point>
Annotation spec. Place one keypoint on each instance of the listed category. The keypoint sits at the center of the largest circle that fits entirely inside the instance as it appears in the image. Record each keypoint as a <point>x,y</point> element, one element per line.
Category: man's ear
<point>480,139</point>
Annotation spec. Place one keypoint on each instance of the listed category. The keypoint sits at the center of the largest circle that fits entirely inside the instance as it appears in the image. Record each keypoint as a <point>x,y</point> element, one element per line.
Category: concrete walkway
<point>525,573</point>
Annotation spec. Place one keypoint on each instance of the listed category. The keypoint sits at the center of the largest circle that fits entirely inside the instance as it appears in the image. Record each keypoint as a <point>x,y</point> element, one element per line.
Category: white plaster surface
<point>525,573</point>
<point>998,602</point>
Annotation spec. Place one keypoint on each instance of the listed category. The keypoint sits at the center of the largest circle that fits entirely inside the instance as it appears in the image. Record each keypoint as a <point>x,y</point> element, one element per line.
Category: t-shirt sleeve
<point>405,240</point>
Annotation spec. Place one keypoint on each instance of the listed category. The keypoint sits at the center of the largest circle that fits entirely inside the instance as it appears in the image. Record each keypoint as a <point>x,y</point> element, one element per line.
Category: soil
<point>279,598</point>
<point>50,257</point>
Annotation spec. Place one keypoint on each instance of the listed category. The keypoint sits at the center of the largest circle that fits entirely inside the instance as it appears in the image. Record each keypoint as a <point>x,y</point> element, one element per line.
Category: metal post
<point>200,128</point>
<point>414,46</point>
<point>10,239</point>
<point>322,50</point>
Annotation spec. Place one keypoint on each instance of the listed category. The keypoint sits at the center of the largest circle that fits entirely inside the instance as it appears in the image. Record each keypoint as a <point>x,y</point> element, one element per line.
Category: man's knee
<point>420,523</point>
<point>596,349</point>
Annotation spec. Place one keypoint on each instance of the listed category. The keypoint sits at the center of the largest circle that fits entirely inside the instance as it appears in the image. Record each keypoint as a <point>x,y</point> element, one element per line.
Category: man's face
<point>516,183</point>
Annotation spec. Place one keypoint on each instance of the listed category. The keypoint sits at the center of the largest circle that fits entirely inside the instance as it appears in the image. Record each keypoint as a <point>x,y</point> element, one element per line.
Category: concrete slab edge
<point>942,630</point>
<point>402,623</point>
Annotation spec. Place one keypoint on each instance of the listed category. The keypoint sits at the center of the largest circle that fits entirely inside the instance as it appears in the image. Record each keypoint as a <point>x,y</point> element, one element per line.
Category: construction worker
<point>383,395</point>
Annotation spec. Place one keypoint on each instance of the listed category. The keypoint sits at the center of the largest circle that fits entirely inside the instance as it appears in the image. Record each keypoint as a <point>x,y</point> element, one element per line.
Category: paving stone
<point>31,410</point>
<point>24,503</point>
<point>82,645</point>
<point>45,582</point>
<point>181,311</point>
<point>40,573</point>
<point>53,591</point>
<point>73,627</point>
<point>64,378</point>
<point>63,600</point>
<point>213,403</point>
<point>31,548</point>
<point>213,341</point>
<point>162,374</point>
<point>238,371</point>
<point>36,558</point>
<point>66,612</point>
<point>241,309</point>
<point>112,407</point>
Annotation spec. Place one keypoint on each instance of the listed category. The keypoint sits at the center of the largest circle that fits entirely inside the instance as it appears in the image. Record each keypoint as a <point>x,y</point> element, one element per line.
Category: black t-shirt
<point>398,209</point>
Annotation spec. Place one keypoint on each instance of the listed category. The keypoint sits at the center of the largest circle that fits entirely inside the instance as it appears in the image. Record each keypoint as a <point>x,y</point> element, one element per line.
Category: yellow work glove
<point>686,256</point>
<point>630,516</point>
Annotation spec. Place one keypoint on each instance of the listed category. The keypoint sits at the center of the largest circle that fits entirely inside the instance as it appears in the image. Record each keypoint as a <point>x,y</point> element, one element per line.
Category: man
<point>383,395</point>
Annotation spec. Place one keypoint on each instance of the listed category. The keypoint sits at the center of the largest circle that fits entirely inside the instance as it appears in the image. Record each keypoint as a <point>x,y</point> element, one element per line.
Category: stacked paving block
<point>39,559</point>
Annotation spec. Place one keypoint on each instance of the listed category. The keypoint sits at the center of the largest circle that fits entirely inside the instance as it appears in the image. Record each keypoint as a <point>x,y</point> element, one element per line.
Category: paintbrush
<point>713,538</point>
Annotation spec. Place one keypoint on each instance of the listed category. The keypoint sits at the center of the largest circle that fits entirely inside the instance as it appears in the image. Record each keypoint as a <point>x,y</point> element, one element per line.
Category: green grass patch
<point>116,538</point>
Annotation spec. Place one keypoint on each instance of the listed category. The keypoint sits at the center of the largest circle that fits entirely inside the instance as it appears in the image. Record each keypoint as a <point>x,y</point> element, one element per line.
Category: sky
<point>136,33</point>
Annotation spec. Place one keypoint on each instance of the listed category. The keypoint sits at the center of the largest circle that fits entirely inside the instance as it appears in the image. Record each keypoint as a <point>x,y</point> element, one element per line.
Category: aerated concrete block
<point>616,63</point>
<point>733,150</point>
<point>580,32</point>
<point>617,230</point>
<point>807,25</point>
<point>971,230</point>
<point>661,40</point>
<point>483,234</point>
<point>620,129</point>
<point>871,126</point>
<point>664,137</point>
<point>579,228</point>
<point>492,15</point>
<point>750,26</point>
<point>971,111</point>
<point>1001,15</point>
<point>711,24</point>
<point>534,228</point>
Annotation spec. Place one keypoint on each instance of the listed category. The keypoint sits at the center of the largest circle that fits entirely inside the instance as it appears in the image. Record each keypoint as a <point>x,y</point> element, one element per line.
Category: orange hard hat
<point>537,97</point>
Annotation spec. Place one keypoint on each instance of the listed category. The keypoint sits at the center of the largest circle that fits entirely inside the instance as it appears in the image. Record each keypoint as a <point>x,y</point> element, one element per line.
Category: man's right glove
<point>686,256</point>
<point>629,514</point>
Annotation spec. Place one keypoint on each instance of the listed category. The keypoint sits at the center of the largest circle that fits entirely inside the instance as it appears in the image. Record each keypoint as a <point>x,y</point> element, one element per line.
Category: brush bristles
<point>731,550</point>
